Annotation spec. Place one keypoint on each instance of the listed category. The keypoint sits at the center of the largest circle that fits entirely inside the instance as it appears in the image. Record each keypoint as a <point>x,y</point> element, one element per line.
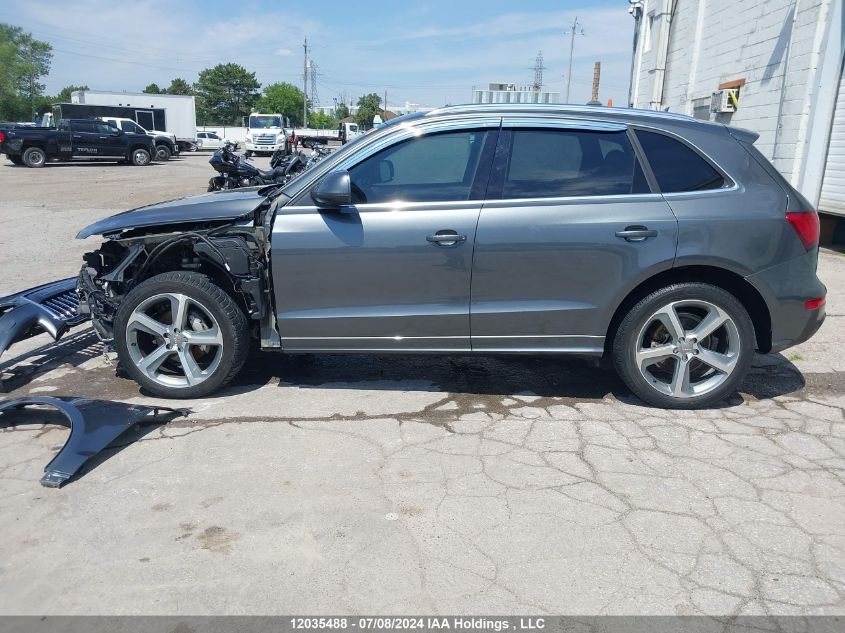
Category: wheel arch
<point>728,280</point>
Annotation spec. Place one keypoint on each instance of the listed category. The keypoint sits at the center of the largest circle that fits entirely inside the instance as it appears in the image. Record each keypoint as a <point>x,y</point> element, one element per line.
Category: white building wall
<point>776,46</point>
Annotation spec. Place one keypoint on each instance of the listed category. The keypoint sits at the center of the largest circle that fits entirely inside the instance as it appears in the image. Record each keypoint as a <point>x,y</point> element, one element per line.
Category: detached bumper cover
<point>94,424</point>
<point>51,308</point>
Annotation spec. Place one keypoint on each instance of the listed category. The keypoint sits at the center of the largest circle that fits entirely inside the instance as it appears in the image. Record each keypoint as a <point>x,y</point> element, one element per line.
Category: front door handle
<point>446,238</point>
<point>636,233</point>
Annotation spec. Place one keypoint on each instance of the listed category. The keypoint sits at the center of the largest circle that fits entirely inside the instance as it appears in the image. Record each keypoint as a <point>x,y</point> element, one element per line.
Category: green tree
<point>368,106</point>
<point>179,86</point>
<point>225,94</point>
<point>153,89</point>
<point>341,111</point>
<point>64,95</point>
<point>24,60</point>
<point>283,98</point>
<point>321,121</point>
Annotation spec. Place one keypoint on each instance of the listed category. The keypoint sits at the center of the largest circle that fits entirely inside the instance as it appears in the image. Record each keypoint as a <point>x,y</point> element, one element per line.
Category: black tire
<point>16,160</point>
<point>233,323</point>
<point>34,157</point>
<point>626,344</point>
<point>139,157</point>
<point>163,153</point>
<point>214,184</point>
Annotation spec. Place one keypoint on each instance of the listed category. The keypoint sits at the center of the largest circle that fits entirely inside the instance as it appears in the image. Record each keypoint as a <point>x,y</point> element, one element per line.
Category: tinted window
<point>676,166</point>
<point>437,167</point>
<point>551,163</point>
<point>84,126</point>
<point>104,128</point>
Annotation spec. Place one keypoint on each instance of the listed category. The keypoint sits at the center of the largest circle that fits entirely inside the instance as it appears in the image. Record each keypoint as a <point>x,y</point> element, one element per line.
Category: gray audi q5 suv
<point>668,245</point>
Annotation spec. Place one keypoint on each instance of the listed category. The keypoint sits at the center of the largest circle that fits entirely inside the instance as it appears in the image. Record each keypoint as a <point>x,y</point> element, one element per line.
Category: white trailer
<point>344,133</point>
<point>180,110</point>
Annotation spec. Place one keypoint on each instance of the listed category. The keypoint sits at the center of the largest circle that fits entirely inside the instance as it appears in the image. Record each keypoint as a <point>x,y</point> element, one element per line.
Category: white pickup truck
<point>166,145</point>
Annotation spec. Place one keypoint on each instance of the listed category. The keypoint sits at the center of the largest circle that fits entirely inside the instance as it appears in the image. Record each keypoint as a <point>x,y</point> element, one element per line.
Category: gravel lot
<point>411,485</point>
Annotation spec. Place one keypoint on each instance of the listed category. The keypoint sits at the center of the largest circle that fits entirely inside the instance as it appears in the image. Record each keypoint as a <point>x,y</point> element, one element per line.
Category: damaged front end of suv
<point>216,240</point>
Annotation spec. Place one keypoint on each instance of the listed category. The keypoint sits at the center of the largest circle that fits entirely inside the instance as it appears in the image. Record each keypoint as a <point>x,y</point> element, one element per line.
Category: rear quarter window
<point>676,166</point>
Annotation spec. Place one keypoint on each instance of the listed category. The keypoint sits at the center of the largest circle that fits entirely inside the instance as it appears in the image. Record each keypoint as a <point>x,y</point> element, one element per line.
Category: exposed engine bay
<point>234,255</point>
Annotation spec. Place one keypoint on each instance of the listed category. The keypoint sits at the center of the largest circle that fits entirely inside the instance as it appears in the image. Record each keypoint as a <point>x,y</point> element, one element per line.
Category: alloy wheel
<point>687,348</point>
<point>174,340</point>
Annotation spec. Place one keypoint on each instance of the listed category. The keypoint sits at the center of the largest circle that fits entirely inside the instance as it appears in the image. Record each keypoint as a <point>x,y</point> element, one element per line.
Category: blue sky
<point>426,52</point>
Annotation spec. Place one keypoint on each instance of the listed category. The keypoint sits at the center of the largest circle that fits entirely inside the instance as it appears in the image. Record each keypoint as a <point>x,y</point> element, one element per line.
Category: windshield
<point>353,127</point>
<point>265,121</point>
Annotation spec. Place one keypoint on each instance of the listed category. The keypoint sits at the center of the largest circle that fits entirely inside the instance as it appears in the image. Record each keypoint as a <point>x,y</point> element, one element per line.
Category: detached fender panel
<point>52,308</point>
<point>94,424</point>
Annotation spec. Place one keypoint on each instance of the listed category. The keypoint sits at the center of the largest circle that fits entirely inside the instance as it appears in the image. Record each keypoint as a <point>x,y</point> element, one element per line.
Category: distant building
<point>771,66</point>
<point>395,110</point>
<point>510,93</point>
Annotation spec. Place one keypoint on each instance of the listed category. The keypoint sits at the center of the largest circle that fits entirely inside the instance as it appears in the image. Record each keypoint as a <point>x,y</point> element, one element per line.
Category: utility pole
<point>572,32</point>
<point>305,84</point>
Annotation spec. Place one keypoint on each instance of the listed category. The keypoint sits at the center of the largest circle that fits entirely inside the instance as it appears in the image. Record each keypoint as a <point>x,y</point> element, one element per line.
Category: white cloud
<point>283,52</point>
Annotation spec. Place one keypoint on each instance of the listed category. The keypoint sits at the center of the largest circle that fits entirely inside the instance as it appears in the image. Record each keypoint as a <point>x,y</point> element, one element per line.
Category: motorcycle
<point>285,164</point>
<point>236,171</point>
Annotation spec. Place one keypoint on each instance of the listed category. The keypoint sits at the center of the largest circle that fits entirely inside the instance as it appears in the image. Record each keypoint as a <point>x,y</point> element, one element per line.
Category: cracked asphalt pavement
<point>334,484</point>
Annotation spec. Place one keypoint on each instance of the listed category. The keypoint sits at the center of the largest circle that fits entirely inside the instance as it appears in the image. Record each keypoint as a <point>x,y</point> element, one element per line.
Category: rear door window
<point>676,166</point>
<point>551,163</point>
<point>84,126</point>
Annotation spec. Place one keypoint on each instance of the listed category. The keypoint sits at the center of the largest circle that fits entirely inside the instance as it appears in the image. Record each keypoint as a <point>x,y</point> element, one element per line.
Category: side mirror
<point>117,133</point>
<point>334,192</point>
<point>385,171</point>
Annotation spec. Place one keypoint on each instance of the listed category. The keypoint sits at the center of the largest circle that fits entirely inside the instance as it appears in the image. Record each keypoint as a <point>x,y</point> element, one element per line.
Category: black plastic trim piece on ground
<point>51,308</point>
<point>94,424</point>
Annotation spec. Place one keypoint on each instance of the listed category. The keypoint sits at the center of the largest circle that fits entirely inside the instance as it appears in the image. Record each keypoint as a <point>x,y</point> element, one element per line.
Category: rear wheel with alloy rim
<point>34,157</point>
<point>685,346</point>
<point>180,336</point>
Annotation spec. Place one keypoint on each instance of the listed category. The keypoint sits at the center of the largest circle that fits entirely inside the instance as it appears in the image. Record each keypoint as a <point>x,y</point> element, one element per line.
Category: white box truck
<point>180,111</point>
<point>267,132</point>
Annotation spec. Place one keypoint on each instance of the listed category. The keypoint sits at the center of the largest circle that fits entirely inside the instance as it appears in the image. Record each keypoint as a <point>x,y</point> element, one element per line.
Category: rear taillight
<point>2,137</point>
<point>806,225</point>
<point>814,304</point>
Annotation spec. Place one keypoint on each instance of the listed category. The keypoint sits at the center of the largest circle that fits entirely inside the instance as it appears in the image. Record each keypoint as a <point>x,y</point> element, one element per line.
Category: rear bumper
<point>786,288</point>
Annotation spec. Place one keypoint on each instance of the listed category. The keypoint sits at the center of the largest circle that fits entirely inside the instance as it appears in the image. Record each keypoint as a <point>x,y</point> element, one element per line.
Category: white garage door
<point>832,199</point>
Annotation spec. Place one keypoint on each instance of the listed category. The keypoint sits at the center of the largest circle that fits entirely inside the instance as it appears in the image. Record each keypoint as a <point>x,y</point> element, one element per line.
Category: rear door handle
<point>446,238</point>
<point>636,233</point>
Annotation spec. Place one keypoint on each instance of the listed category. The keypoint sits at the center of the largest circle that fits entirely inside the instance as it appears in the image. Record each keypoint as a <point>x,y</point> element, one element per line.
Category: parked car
<point>75,138</point>
<point>667,245</point>
<point>210,140</point>
<point>165,143</point>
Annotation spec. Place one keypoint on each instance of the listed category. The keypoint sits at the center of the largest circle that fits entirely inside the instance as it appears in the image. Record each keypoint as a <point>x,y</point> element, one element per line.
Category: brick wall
<point>774,45</point>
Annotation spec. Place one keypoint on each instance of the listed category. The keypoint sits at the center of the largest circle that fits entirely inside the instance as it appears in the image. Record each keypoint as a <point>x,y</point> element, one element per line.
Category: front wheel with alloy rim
<point>685,346</point>
<point>163,153</point>
<point>179,335</point>
<point>139,157</point>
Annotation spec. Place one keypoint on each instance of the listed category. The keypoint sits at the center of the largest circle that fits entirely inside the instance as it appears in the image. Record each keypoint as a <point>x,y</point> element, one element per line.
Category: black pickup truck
<point>72,139</point>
